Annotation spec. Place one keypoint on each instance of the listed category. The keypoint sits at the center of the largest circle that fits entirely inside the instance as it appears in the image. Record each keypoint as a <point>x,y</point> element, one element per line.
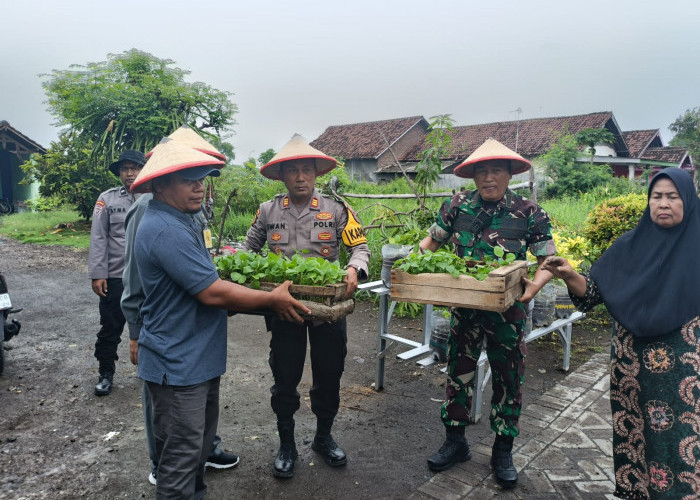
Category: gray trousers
<point>150,437</point>
<point>184,423</point>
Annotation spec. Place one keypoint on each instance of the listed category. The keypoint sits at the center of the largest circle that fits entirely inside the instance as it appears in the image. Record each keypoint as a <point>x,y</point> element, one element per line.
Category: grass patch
<point>58,227</point>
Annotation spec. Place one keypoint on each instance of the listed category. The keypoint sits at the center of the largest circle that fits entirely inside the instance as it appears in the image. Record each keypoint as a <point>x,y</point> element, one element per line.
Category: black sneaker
<point>104,386</point>
<point>152,478</point>
<point>219,459</point>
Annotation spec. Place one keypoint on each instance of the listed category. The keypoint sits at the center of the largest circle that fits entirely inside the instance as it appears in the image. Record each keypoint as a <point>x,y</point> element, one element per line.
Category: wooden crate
<point>501,288</point>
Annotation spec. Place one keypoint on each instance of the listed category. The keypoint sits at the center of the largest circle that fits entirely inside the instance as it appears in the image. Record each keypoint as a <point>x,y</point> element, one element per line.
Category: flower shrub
<point>611,219</point>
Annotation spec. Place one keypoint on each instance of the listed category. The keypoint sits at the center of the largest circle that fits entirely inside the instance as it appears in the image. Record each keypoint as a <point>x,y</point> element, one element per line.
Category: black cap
<point>197,173</point>
<point>128,155</point>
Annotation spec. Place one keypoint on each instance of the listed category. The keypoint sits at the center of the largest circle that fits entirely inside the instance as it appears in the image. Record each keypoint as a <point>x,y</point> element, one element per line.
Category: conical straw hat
<point>189,137</point>
<point>492,150</point>
<point>170,156</point>
<point>296,149</point>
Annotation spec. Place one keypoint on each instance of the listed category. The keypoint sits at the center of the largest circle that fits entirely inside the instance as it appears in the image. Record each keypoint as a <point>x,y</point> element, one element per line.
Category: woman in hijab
<point>649,280</point>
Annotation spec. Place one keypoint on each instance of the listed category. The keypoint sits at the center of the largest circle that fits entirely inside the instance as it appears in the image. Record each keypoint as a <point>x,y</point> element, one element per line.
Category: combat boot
<point>454,449</point>
<point>325,445</point>
<point>502,461</point>
<point>287,454</point>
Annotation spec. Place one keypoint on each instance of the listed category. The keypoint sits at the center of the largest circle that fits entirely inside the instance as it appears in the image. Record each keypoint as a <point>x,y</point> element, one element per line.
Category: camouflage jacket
<point>515,224</point>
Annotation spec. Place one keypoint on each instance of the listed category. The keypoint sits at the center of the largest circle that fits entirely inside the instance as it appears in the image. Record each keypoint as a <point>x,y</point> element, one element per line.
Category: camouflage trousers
<point>506,354</point>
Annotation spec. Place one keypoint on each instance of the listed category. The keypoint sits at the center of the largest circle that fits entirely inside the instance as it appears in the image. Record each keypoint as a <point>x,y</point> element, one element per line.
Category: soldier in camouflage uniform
<point>303,220</point>
<point>476,222</point>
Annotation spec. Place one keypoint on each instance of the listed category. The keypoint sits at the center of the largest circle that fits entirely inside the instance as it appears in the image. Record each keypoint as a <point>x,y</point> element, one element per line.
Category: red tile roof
<point>534,136</point>
<point>639,140</point>
<point>364,140</point>
<point>666,154</point>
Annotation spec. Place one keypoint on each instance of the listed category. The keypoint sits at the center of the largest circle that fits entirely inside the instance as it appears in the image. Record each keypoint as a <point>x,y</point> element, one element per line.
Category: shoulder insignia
<point>255,219</point>
<point>314,202</point>
<point>324,216</point>
<point>353,234</point>
<point>285,202</point>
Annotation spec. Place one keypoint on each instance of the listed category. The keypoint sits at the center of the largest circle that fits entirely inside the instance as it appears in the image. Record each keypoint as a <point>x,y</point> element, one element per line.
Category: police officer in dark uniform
<point>476,222</point>
<point>106,262</point>
<point>304,220</point>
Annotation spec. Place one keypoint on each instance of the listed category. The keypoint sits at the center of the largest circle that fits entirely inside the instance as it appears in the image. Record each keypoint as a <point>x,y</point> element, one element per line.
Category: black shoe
<point>219,459</point>
<point>332,453</point>
<point>284,461</point>
<point>454,449</point>
<point>502,462</point>
<point>104,386</point>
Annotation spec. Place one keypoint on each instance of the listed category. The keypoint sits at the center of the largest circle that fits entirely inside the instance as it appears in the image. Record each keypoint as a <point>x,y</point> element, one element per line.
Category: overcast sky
<point>304,65</point>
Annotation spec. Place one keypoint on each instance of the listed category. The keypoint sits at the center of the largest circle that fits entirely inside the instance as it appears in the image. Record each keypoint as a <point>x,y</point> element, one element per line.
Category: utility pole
<point>517,112</point>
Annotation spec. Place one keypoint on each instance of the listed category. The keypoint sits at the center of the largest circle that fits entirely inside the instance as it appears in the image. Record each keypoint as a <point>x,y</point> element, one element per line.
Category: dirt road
<point>58,440</point>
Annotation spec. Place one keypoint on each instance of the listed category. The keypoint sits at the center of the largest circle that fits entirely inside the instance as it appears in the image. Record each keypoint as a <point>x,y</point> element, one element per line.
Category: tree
<point>266,156</point>
<point>130,101</point>
<point>589,137</point>
<point>571,176</point>
<point>439,139</point>
<point>66,174</point>
<point>687,130</point>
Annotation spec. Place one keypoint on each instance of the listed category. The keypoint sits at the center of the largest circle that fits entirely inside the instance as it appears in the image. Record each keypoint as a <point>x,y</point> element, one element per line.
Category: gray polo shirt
<point>182,342</point>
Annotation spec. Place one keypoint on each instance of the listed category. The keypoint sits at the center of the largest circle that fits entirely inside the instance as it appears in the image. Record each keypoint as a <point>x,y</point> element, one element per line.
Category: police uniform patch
<point>98,207</point>
<point>285,202</point>
<point>353,234</point>
<point>314,202</point>
<point>325,251</point>
<point>324,216</point>
<point>325,236</point>
<point>276,237</point>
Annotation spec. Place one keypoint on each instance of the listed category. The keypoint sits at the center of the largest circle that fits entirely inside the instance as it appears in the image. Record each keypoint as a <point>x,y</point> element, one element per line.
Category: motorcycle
<point>11,327</point>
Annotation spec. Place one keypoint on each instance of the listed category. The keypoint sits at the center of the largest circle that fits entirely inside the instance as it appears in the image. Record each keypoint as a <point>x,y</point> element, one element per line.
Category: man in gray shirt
<point>106,262</point>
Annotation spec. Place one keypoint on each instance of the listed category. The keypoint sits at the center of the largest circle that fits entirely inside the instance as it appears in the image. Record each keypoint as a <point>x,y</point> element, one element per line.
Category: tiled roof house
<point>15,149</point>
<point>371,146</point>
<point>368,156</point>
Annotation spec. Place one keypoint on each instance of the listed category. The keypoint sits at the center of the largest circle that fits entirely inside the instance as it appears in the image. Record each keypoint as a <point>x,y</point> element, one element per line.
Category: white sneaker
<point>152,478</point>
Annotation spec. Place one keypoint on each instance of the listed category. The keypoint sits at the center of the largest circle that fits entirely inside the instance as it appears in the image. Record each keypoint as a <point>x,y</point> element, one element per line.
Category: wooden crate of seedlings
<point>265,272</point>
<point>497,292</point>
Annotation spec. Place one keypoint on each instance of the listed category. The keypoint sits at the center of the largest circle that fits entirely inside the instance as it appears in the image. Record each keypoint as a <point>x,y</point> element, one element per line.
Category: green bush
<point>612,218</point>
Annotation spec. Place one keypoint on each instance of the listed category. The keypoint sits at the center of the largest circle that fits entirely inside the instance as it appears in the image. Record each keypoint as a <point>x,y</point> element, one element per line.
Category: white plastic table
<point>561,326</point>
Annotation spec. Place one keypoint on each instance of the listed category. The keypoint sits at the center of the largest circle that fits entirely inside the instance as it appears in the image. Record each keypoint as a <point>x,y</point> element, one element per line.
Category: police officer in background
<point>304,220</point>
<point>476,222</point>
<point>106,262</point>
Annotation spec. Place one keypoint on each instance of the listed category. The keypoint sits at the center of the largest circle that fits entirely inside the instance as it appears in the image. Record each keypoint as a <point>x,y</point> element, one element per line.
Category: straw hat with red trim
<point>171,156</point>
<point>189,137</point>
<point>492,150</point>
<point>297,149</point>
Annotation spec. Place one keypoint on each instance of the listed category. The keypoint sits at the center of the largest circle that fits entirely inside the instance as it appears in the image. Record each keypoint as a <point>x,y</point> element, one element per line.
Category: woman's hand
<point>561,268</point>
<point>558,266</point>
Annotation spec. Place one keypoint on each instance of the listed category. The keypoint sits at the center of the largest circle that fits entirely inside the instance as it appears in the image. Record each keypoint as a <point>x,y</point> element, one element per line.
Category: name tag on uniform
<point>207,238</point>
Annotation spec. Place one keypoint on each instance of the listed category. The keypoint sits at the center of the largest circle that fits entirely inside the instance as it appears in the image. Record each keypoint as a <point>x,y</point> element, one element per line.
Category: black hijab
<point>649,278</point>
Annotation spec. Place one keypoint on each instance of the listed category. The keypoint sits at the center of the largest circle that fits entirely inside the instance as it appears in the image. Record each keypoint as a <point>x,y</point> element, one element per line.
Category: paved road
<point>564,449</point>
